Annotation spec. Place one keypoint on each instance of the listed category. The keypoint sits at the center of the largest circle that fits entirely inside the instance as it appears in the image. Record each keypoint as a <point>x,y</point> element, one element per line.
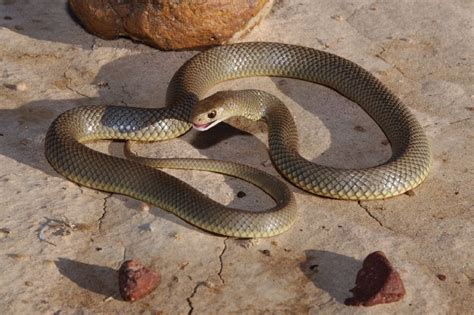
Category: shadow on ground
<point>355,139</point>
<point>98,279</point>
<point>46,22</point>
<point>331,272</point>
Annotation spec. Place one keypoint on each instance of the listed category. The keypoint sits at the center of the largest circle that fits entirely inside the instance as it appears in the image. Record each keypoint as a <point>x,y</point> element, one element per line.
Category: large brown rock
<point>171,24</point>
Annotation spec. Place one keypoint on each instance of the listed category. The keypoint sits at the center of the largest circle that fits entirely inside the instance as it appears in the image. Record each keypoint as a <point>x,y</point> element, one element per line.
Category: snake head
<point>212,110</point>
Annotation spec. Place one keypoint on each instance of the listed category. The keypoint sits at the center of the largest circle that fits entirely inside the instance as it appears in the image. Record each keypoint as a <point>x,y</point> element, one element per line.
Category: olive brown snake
<point>408,166</point>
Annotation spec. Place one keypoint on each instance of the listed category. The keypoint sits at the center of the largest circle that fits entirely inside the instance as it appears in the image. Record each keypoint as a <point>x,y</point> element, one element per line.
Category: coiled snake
<point>408,166</point>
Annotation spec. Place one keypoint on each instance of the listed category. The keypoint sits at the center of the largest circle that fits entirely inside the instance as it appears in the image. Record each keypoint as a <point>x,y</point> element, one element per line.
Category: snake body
<point>408,166</point>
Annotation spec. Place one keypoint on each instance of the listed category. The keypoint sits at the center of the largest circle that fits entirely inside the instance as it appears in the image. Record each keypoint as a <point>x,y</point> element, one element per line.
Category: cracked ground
<point>61,244</point>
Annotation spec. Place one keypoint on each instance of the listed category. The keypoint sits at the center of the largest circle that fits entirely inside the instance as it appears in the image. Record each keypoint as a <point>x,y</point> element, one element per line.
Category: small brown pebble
<point>359,128</point>
<point>18,256</point>
<point>266,252</point>
<point>267,163</point>
<point>241,194</point>
<point>405,39</point>
<point>20,86</point>
<point>5,230</point>
<point>249,242</point>
<point>376,283</point>
<point>184,265</point>
<point>337,18</point>
<point>49,263</point>
<point>441,277</point>
<point>209,284</point>
<point>410,193</point>
<point>176,236</point>
<point>145,207</point>
<point>136,281</point>
<point>28,283</point>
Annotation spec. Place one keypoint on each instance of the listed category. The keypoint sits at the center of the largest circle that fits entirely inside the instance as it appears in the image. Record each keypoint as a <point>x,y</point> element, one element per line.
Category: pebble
<point>376,283</point>
<point>4,232</point>
<point>267,163</point>
<point>359,128</point>
<point>144,207</point>
<point>441,277</point>
<point>247,243</point>
<point>20,86</point>
<point>407,40</point>
<point>136,281</point>
<point>410,193</point>
<point>337,18</point>
<point>18,256</point>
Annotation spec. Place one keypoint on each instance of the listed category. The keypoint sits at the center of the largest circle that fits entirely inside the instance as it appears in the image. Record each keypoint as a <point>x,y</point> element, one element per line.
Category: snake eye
<point>211,114</point>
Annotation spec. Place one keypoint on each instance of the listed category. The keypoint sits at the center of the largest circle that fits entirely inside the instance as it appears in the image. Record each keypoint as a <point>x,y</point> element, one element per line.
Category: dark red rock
<point>136,281</point>
<point>376,283</point>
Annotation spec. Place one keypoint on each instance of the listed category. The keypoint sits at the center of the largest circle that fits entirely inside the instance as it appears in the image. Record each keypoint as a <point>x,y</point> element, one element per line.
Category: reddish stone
<point>136,281</point>
<point>376,283</point>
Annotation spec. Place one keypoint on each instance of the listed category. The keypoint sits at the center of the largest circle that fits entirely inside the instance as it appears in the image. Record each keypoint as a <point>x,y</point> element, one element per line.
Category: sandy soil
<point>423,50</point>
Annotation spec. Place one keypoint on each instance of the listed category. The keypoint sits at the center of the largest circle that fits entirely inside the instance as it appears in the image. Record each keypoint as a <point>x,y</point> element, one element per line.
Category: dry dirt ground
<point>423,50</point>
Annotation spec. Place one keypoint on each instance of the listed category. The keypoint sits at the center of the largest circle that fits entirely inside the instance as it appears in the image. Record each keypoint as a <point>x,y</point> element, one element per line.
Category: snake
<point>187,107</point>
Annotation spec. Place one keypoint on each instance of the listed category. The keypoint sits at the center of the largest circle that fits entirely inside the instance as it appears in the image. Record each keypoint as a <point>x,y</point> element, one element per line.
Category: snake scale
<point>408,166</point>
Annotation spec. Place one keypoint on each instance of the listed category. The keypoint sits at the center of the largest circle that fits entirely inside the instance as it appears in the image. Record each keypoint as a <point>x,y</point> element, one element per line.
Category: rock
<point>20,86</point>
<point>169,24</point>
<point>376,283</point>
<point>441,277</point>
<point>136,281</point>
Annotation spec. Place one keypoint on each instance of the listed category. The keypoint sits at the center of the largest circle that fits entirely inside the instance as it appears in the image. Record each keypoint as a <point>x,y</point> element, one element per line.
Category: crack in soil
<point>190,303</point>
<point>104,211</point>
<point>366,208</point>
<point>221,269</point>
<point>68,84</point>
<point>205,283</point>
